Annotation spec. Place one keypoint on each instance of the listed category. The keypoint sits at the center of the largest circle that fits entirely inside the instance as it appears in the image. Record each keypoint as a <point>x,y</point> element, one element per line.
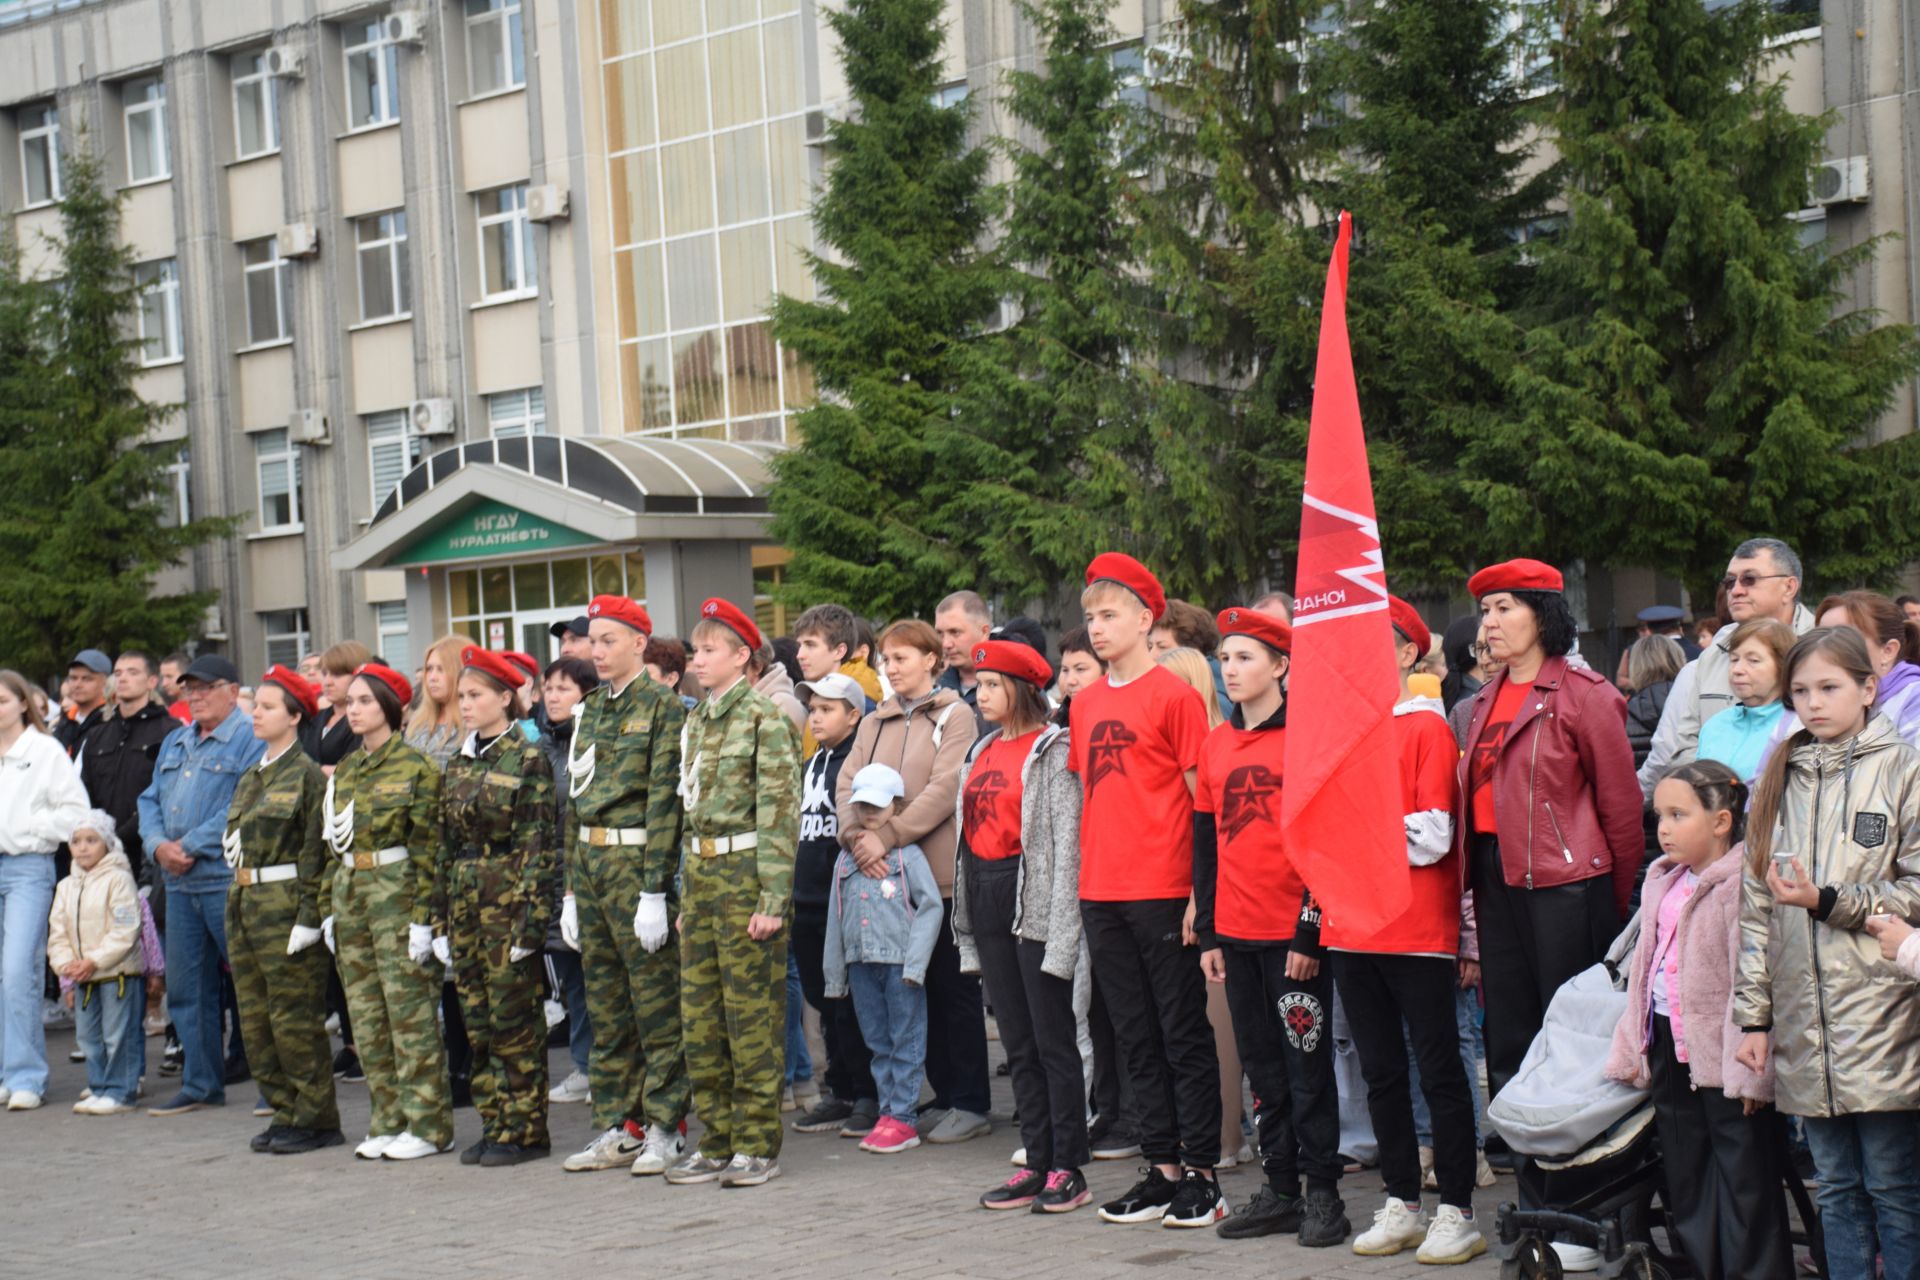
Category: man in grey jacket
<point>1763,581</point>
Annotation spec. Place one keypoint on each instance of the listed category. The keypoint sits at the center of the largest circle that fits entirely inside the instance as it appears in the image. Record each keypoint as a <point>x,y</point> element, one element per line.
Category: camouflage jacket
<point>395,797</point>
<point>498,804</point>
<point>624,772</point>
<point>275,819</point>
<point>742,773</point>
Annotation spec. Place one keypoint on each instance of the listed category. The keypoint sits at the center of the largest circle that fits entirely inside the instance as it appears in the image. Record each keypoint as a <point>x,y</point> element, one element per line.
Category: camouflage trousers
<point>283,1006</point>
<point>733,1004</point>
<point>633,998</point>
<point>394,1004</point>
<point>500,1001</point>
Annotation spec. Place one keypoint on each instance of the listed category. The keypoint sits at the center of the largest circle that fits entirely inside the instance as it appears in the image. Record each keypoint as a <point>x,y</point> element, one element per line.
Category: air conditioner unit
<point>286,61</point>
<point>431,417</point>
<point>298,240</point>
<point>212,625</point>
<point>1844,181</point>
<point>546,203</point>
<point>307,426</point>
<point>405,26</point>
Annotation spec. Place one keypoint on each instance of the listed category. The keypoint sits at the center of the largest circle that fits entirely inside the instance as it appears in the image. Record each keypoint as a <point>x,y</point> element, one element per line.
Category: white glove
<point>419,942</point>
<point>516,954</point>
<point>443,950</point>
<point>650,921</point>
<point>302,937</point>
<point>569,922</point>
<point>326,931</point>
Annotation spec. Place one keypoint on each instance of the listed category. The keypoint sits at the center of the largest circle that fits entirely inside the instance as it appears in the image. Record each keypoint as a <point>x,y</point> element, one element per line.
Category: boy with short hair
<point>1136,737</point>
<point>827,637</point>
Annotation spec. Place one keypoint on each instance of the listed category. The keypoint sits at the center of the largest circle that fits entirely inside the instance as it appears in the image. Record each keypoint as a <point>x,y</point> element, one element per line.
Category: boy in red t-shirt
<point>1407,972</point>
<point>1135,738</point>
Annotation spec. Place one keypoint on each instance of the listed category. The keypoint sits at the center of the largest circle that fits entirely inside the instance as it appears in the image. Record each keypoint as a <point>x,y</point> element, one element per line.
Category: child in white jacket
<point>93,941</point>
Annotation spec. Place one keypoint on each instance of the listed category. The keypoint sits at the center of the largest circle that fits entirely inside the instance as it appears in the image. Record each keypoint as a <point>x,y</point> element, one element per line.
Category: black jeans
<point>1034,1011</point>
<point>1284,1031</point>
<point>849,1073</point>
<point>1531,942</point>
<point>1379,992</point>
<point>956,1030</point>
<point>1157,1000</point>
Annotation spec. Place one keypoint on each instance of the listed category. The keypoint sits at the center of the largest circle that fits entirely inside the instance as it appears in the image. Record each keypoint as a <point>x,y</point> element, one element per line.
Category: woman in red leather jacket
<point>1549,815</point>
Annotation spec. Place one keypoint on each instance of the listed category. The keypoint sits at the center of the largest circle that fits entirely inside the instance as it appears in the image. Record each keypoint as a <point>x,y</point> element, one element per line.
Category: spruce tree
<point>83,510</point>
<point>903,285</point>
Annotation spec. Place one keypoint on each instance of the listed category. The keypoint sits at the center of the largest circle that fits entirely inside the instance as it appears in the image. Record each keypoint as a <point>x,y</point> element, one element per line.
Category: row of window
<point>288,638</point>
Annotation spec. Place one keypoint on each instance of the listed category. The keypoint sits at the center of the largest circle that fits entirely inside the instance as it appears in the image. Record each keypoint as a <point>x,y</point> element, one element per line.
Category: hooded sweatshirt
<point>819,826</point>
<point>96,916</point>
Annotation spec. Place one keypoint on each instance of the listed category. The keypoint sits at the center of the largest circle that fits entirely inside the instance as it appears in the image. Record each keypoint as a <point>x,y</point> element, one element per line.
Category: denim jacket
<point>192,788</point>
<point>895,920</point>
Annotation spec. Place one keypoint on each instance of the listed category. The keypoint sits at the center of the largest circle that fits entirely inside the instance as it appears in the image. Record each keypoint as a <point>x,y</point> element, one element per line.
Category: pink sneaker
<point>890,1136</point>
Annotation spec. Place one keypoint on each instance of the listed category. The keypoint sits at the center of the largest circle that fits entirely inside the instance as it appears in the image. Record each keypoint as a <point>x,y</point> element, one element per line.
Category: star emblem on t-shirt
<point>1487,750</point>
<point>1246,798</point>
<point>983,796</point>
<point>1107,750</point>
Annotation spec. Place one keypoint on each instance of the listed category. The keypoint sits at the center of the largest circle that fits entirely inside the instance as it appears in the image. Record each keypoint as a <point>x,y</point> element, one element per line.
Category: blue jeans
<point>893,1021</point>
<point>1466,1008</point>
<point>572,980</point>
<point>799,1061</point>
<point>107,1022</point>
<point>26,895</point>
<point>1867,1184</point>
<point>196,950</point>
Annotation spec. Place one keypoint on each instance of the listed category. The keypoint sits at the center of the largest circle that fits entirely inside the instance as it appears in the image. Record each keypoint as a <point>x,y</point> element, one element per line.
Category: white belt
<point>631,837</point>
<point>265,875</point>
<point>714,846</point>
<point>368,861</point>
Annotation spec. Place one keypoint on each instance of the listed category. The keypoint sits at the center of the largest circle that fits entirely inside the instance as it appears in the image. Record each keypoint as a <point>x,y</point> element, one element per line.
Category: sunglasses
<point>1749,580</point>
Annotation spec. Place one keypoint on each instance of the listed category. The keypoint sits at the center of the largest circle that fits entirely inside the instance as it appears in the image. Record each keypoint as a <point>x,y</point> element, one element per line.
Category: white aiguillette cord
<point>338,828</point>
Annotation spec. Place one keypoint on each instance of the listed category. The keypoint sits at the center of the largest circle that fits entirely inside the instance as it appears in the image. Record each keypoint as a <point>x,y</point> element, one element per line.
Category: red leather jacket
<point>1564,793</point>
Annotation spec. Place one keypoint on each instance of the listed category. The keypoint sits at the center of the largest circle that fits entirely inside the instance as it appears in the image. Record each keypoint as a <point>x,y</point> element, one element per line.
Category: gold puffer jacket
<point>1846,1024</point>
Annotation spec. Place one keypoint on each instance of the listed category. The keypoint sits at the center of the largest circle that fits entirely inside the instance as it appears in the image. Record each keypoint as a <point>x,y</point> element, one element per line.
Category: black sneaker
<point>264,1139</point>
<point>171,1057</point>
<point>1114,1144</point>
<point>1145,1201</point>
<point>1268,1213</point>
<point>499,1154</point>
<point>293,1142</point>
<point>473,1153</point>
<point>1197,1202</point>
<point>346,1066</point>
<point>1016,1192</point>
<point>1065,1191</point>
<point>860,1121</point>
<point>1323,1223</point>
<point>237,1071</point>
<point>824,1116</point>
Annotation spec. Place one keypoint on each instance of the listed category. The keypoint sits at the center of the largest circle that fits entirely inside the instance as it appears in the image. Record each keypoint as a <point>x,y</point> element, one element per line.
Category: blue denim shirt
<point>192,788</point>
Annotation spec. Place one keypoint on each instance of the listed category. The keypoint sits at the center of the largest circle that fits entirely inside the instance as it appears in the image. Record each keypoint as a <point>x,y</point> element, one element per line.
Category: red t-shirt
<point>1493,736</point>
<point>1431,923</point>
<point>1132,747</point>
<point>1256,891</point>
<point>990,803</point>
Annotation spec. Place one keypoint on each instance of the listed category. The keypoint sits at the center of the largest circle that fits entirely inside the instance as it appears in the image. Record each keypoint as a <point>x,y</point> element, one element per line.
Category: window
<point>373,75</point>
<point>517,413</point>
<point>392,449</point>
<point>178,472</point>
<point>285,632</point>
<point>277,459</point>
<point>394,647</point>
<point>40,153</point>
<point>158,284</point>
<point>256,106</point>
<point>266,274</point>
<point>496,55</point>
<point>506,243</point>
<point>949,96</point>
<point>382,241</point>
<point>144,103</point>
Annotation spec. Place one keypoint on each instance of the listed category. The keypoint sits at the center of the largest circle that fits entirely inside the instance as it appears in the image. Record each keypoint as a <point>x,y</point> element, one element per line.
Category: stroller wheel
<point>1533,1260</point>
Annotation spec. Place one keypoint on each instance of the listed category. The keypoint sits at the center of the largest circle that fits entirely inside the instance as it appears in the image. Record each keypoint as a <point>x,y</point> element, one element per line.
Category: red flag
<point>1341,802</point>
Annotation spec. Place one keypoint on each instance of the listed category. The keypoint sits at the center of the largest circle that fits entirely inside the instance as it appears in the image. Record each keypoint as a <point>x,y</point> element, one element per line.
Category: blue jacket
<point>1740,737</point>
<point>192,788</point>
<point>890,921</point>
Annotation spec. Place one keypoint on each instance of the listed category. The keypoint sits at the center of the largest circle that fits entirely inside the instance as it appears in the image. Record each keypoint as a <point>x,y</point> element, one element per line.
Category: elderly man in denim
<point>183,815</point>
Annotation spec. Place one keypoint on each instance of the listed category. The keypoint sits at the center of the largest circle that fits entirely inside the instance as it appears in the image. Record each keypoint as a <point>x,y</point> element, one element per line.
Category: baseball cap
<point>878,784</point>
<point>837,685</point>
<point>578,627</point>
<point>211,668</point>
<point>93,660</point>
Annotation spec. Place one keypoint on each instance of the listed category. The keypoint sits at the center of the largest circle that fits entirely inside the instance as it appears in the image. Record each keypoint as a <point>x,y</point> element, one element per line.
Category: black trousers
<point>956,1030</point>
<point>1724,1173</point>
<point>1379,992</point>
<point>1112,1097</point>
<point>1034,1011</point>
<point>1157,1000</point>
<point>849,1073</point>
<point>1531,941</point>
<point>1284,1031</point>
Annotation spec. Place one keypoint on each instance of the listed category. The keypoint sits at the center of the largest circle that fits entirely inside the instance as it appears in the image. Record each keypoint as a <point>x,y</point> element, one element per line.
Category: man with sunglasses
<point>1763,581</point>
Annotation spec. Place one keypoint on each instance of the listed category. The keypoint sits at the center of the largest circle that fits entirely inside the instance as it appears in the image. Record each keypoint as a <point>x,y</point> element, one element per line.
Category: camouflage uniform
<point>624,771</point>
<point>742,775</point>
<point>274,821</point>
<point>380,800</point>
<point>496,815</point>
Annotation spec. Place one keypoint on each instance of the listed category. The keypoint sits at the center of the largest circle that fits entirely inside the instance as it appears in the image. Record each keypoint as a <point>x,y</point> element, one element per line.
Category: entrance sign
<point>488,529</point>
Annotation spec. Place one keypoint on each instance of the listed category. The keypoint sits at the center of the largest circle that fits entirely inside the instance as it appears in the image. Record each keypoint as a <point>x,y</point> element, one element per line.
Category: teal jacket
<point>1738,737</point>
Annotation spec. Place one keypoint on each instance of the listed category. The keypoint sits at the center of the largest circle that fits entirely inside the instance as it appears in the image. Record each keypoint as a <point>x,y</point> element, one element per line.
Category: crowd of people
<point>686,845</point>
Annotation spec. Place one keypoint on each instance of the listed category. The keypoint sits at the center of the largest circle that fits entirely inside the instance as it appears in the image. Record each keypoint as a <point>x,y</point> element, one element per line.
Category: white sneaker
<point>611,1150</point>
<point>408,1147</point>
<point>1020,1158</point>
<point>375,1146</point>
<point>23,1100</point>
<point>660,1152</point>
<point>102,1106</point>
<point>1453,1238</point>
<point>1483,1174</point>
<point>1396,1226</point>
<point>1576,1257</point>
<point>573,1089</point>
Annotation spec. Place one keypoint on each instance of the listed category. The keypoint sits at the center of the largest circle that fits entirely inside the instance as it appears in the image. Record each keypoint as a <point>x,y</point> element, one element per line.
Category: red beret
<point>1011,658</point>
<point>496,665</point>
<point>1515,575</point>
<point>297,687</point>
<point>525,661</point>
<point>1411,624</point>
<point>401,686</point>
<point>730,617</point>
<point>1124,570</point>
<point>1264,627</point>
<point>621,609</point>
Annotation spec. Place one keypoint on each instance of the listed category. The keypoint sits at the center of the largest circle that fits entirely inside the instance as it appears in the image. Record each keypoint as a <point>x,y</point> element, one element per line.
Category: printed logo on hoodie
<point>818,818</point>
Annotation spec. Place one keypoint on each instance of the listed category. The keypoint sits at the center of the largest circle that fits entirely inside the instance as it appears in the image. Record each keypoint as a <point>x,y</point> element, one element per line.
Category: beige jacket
<point>1846,1023</point>
<point>927,745</point>
<point>96,916</point>
<point>777,685</point>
